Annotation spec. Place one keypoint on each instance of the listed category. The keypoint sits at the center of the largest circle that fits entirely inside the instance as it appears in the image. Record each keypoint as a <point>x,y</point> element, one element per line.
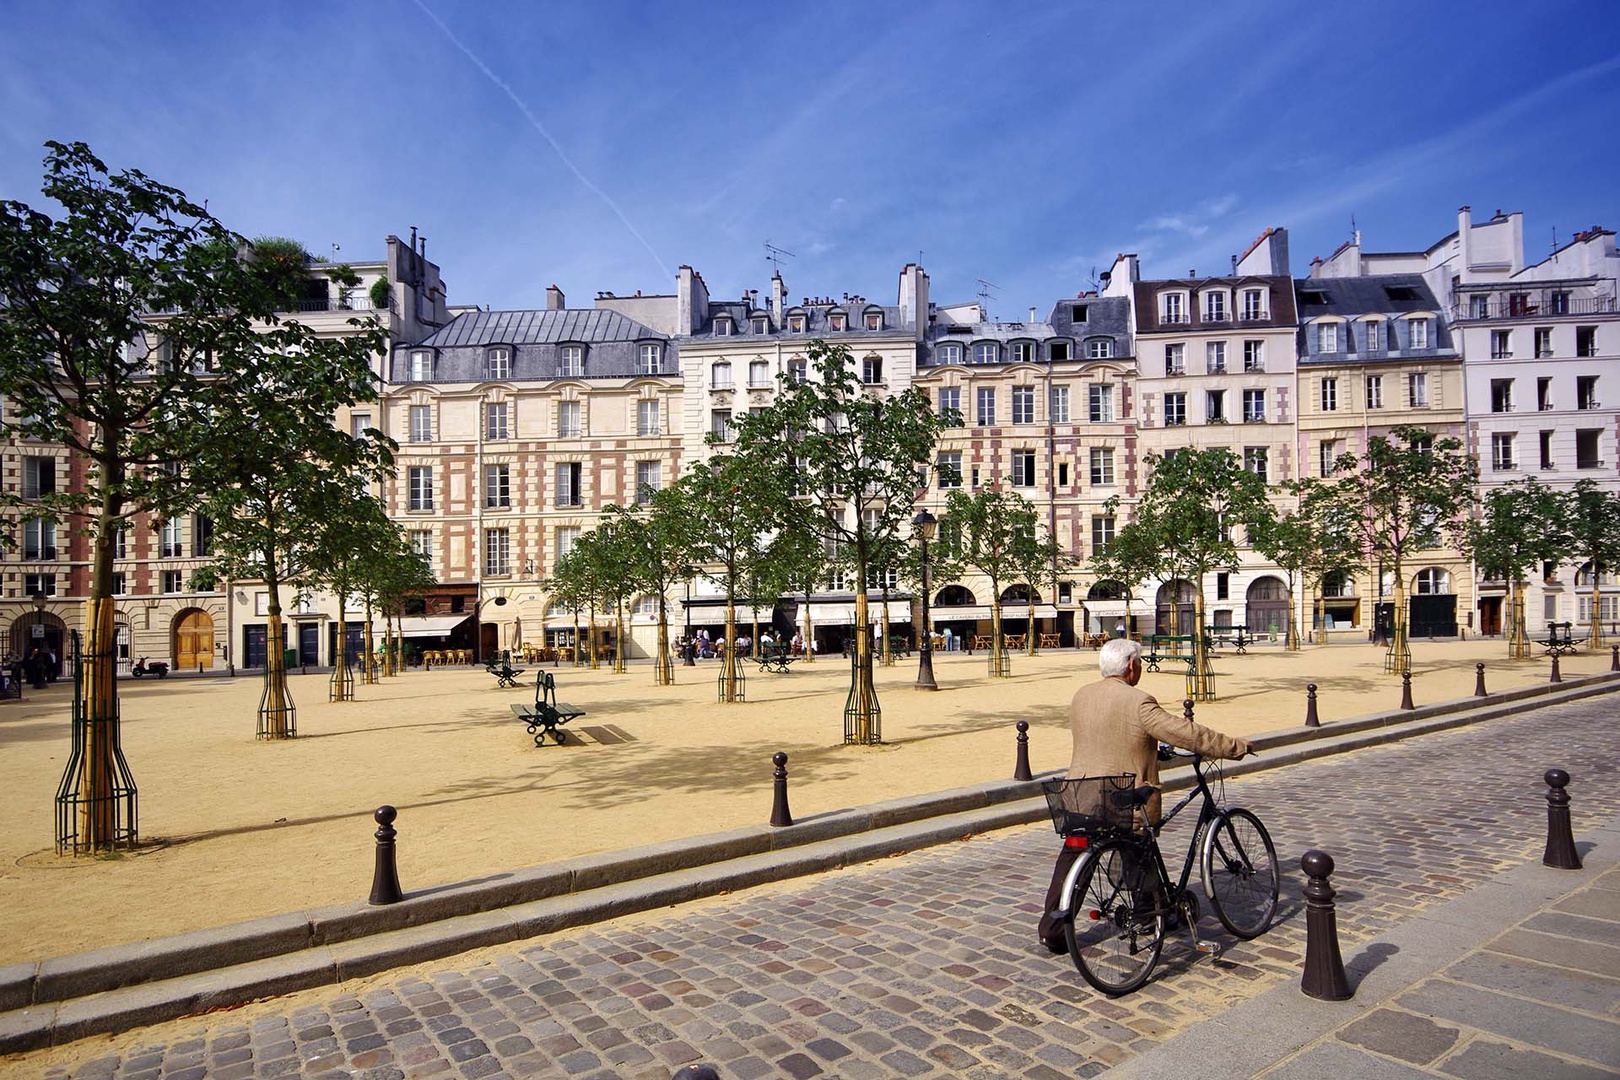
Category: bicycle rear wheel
<point>1241,876</point>
<point>1115,931</point>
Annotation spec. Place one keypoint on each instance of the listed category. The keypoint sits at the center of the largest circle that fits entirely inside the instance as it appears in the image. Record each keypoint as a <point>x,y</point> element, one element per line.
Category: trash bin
<point>289,658</point>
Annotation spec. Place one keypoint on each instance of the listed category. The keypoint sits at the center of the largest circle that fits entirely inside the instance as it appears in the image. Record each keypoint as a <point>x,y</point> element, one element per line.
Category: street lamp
<point>924,526</point>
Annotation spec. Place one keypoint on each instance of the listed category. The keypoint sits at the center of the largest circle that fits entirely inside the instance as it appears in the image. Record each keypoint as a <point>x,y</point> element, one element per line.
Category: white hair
<point>1116,655</point>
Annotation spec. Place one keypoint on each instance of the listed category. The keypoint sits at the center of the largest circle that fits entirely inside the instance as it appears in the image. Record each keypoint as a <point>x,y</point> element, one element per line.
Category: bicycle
<point>1118,901</point>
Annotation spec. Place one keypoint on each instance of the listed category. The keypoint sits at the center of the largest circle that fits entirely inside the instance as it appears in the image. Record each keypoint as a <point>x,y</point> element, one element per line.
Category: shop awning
<point>420,626</point>
<point>972,612</point>
<point>843,614</point>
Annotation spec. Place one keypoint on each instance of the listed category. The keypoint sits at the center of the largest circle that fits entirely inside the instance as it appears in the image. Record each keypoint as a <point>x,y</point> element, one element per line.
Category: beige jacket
<point>1117,728</point>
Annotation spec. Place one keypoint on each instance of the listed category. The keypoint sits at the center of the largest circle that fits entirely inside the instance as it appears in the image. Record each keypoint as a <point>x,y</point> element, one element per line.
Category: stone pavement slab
<point>926,964</point>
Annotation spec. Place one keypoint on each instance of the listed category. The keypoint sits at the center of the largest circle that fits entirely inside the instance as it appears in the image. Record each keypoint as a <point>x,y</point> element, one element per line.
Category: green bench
<point>547,715</point>
<point>505,674</point>
<point>776,658</point>
<point>1158,650</point>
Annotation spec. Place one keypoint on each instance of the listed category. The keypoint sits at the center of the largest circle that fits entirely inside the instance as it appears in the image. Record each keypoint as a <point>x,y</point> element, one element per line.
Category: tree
<point>119,319</point>
<point>1192,507</point>
<point>1128,560</point>
<point>990,531</point>
<point>1410,491</point>
<point>1308,542</point>
<point>274,466</point>
<point>1040,558</point>
<point>342,559</point>
<point>733,507</point>
<point>1518,525</point>
<point>656,546</point>
<point>401,576</point>
<point>1593,517</point>
<point>851,454</point>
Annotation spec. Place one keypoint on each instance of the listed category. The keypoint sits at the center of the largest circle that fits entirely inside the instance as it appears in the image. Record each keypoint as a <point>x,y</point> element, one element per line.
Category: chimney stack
<point>554,298</point>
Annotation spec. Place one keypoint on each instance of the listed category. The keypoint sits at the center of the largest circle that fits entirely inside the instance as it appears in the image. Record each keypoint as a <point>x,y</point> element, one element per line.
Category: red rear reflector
<point>1074,842</point>
<point>1093,914</point>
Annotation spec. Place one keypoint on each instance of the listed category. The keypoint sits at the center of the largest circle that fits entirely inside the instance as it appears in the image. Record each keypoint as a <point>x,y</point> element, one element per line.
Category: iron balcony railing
<point>1533,308</point>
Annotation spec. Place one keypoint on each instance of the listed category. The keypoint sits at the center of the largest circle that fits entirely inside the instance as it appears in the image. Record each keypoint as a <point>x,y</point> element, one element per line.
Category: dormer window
<point>1254,304</point>
<point>722,326</point>
<point>796,323</point>
<point>762,325</point>
<point>1215,307</point>
<point>1174,308</point>
<point>498,362</point>
<point>985,353</point>
<point>837,320</point>
<point>1023,352</point>
<point>647,359</point>
<point>950,353</point>
<point>421,365</point>
<point>1327,338</point>
<point>874,320</point>
<point>571,361</point>
<point>1375,335</point>
<point>1057,349</point>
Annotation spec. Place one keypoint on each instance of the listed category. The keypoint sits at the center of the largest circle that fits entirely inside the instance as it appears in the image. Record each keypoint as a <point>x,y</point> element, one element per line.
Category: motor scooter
<point>154,667</point>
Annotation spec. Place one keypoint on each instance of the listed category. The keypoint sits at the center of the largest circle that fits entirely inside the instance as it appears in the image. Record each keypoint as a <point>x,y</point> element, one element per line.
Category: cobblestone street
<point>924,964</point>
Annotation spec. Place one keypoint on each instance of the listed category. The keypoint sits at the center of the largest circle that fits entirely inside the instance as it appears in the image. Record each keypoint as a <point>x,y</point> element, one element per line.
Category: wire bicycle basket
<point>1090,805</point>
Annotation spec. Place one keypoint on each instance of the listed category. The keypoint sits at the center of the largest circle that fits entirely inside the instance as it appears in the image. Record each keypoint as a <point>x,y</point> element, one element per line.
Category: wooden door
<point>194,641</point>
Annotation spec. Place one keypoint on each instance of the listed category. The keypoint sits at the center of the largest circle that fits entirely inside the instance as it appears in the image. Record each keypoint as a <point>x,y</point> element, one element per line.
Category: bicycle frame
<point>1207,812</point>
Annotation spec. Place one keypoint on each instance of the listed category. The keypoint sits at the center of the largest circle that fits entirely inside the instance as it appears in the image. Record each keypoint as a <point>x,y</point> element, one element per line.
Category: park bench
<point>1560,639</point>
<point>1158,650</point>
<point>505,674</point>
<point>776,658</point>
<point>547,715</point>
<point>1236,636</point>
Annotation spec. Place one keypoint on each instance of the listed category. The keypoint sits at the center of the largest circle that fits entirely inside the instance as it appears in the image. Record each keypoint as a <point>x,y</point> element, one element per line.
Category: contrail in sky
<point>544,134</point>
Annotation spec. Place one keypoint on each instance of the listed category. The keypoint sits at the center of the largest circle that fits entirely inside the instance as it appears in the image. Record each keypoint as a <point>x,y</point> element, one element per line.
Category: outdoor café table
<point>1051,641</point>
<point>981,641</point>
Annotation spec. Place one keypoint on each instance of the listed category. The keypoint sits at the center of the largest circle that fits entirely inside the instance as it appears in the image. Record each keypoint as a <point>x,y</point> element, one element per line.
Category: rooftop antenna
<point>1096,285</point>
<point>986,290</point>
<point>773,255</point>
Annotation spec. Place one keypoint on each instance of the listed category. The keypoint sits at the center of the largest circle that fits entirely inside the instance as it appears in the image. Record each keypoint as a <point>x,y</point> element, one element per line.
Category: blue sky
<point>600,145</point>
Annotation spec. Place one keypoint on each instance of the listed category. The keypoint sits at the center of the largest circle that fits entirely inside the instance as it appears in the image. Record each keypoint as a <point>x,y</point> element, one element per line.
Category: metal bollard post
<point>1561,853</point>
<point>1479,680</point>
<point>1021,765</point>
<point>385,878</point>
<point>1186,708</point>
<point>1555,676</point>
<point>1324,968</point>
<point>1406,690</point>
<point>1614,657</point>
<point>1311,719</point>
<point>779,806</point>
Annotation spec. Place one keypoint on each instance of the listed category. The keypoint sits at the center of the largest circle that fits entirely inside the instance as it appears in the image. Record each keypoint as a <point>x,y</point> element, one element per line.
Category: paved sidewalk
<point>926,964</point>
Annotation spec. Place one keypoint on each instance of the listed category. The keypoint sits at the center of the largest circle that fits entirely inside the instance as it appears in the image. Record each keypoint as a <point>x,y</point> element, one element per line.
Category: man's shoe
<point>1057,947</point>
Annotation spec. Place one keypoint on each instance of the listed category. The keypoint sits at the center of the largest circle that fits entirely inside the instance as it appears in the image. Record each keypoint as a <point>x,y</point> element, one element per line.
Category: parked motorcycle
<point>154,667</point>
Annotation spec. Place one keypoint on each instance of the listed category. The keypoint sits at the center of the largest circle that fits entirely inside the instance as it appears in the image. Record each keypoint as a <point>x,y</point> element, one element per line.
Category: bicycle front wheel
<point>1116,928</point>
<point>1241,876</point>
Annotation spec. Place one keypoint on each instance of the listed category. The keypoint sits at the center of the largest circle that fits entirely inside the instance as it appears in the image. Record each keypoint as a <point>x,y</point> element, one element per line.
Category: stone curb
<point>113,989</point>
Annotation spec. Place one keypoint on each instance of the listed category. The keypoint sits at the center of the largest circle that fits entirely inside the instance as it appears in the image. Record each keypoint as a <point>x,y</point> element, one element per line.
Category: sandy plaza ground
<point>233,828</point>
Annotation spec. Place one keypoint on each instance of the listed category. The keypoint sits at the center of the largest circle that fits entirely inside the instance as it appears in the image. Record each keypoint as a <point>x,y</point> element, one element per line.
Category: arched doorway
<point>1267,606</point>
<point>1180,593</point>
<point>1433,605</point>
<point>122,647</point>
<point>43,630</point>
<point>193,640</point>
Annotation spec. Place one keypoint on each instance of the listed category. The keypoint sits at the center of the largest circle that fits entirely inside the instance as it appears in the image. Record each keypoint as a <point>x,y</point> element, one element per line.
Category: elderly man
<point>1117,729</point>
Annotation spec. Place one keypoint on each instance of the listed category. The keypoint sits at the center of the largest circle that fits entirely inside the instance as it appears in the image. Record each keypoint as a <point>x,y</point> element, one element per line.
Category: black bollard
<point>1561,853</point>
<point>696,1072</point>
<point>1021,765</point>
<point>1555,676</point>
<point>1311,719</point>
<point>1406,690</point>
<point>1479,680</point>
<point>385,878</point>
<point>1324,968</point>
<point>1186,708</point>
<point>1614,657</point>
<point>779,806</point>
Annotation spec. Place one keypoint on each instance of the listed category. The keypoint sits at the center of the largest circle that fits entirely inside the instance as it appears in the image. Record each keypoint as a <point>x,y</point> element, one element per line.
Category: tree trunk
<point>590,640</point>
<point>883,622</point>
<point>1293,618</point>
<point>1596,639</point>
<point>1518,639</point>
<point>728,654</point>
<point>809,631</point>
<point>1000,668</point>
<point>618,637</point>
<point>665,668</point>
<point>1202,681</point>
<point>863,717</point>
<point>370,649</point>
<point>1029,628</point>
<point>342,677</point>
<point>277,718</point>
<point>1398,659</point>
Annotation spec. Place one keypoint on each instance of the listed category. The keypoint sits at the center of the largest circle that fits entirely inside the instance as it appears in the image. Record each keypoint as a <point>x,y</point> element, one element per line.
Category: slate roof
<point>1353,296</point>
<point>816,323</point>
<point>611,344</point>
<point>1106,317</point>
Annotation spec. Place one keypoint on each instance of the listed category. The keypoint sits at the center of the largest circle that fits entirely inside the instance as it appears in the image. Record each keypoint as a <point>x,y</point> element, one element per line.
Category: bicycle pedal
<point>1209,948</point>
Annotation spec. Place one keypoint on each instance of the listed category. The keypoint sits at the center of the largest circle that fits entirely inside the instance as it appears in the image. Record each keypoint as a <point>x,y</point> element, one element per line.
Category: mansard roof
<point>588,325</point>
<point>610,346</point>
<point>1375,294</point>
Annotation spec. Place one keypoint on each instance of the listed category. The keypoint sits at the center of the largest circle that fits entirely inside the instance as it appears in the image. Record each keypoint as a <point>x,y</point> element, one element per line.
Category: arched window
<point>1337,583</point>
<point>1583,577</point>
<point>1107,589</point>
<point>1018,594</point>
<point>950,353</point>
<point>986,352</point>
<point>498,362</point>
<point>1268,588</point>
<point>954,596</point>
<point>1431,582</point>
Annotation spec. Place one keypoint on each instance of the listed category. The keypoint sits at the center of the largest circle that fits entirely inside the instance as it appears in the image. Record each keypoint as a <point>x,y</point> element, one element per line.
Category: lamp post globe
<point>924,526</point>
